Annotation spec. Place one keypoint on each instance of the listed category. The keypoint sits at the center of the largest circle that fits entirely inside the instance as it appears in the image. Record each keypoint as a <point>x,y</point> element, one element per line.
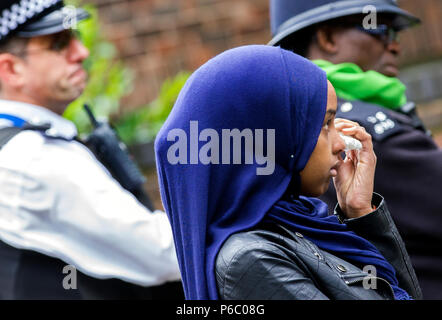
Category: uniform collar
<point>36,115</point>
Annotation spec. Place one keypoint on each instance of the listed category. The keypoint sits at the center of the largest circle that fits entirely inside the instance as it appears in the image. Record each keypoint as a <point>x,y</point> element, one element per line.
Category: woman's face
<point>322,165</point>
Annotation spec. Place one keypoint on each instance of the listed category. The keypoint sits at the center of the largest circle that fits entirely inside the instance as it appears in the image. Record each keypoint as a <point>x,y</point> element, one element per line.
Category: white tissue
<point>351,143</point>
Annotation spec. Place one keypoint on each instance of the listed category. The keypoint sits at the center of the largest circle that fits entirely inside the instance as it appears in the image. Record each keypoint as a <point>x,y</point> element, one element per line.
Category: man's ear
<point>326,40</point>
<point>11,70</point>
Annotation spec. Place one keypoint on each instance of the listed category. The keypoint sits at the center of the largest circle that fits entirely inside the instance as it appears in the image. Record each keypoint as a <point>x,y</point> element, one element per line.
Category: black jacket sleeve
<point>379,228</point>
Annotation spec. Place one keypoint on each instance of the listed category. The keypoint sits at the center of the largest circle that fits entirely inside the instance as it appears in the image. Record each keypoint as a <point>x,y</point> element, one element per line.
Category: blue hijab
<point>250,87</point>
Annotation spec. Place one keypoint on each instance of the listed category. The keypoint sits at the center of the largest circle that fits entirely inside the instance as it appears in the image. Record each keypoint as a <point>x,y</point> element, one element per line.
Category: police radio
<point>113,154</point>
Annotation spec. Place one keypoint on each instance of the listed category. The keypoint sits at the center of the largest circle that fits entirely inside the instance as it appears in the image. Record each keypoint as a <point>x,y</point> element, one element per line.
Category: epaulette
<point>7,133</point>
<point>378,121</point>
<point>11,125</point>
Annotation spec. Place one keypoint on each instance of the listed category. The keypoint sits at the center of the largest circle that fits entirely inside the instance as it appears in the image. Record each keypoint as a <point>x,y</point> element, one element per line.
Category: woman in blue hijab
<point>251,138</point>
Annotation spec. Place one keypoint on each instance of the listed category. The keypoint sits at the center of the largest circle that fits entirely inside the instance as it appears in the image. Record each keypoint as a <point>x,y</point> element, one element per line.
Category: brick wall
<point>158,38</point>
<point>424,42</point>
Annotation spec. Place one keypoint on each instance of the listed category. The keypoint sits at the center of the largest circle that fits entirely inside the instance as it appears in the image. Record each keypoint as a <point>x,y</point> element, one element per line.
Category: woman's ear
<point>11,71</point>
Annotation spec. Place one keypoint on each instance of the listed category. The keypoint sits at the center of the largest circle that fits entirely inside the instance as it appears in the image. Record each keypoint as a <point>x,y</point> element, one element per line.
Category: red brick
<point>162,36</point>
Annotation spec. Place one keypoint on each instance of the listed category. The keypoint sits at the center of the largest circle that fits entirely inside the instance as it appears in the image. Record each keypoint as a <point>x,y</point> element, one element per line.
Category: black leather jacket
<point>272,262</point>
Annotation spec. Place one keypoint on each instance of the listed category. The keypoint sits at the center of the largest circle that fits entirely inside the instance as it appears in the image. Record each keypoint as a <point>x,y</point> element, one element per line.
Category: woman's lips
<point>334,169</point>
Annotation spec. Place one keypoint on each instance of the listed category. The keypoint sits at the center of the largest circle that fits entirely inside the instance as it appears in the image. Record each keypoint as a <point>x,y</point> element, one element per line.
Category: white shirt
<point>57,199</point>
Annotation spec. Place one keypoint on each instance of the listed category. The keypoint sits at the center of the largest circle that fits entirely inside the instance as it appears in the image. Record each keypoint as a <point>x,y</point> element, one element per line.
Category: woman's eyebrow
<point>329,114</point>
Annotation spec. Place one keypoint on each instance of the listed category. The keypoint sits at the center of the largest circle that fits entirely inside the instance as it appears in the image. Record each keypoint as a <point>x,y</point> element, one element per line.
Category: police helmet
<point>290,16</point>
<point>31,18</point>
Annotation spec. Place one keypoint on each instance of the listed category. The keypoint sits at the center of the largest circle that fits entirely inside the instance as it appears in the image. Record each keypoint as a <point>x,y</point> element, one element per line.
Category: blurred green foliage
<point>109,81</point>
<point>142,124</point>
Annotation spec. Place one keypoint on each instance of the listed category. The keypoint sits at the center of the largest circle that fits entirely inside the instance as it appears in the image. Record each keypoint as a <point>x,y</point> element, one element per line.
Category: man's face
<point>368,51</point>
<point>53,70</point>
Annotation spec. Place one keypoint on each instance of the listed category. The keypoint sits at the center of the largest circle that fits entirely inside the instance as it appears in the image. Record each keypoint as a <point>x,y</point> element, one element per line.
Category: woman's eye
<point>329,122</point>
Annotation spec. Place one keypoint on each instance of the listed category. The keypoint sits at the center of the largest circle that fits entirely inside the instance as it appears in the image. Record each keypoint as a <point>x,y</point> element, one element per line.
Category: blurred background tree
<point>141,125</point>
<point>109,81</point>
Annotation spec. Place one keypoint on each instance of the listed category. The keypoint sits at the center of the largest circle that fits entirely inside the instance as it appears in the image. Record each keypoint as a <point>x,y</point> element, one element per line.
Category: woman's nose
<point>338,143</point>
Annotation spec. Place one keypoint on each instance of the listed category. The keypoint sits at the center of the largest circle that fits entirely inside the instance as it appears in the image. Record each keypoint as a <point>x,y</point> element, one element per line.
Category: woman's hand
<point>355,179</point>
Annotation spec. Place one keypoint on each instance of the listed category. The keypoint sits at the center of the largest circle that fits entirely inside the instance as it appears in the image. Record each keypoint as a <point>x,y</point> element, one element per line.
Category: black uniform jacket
<point>409,176</point>
<point>272,262</point>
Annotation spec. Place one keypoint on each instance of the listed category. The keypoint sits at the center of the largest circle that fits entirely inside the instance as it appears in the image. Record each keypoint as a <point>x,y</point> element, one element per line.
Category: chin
<point>74,92</point>
<point>316,193</point>
<point>324,188</point>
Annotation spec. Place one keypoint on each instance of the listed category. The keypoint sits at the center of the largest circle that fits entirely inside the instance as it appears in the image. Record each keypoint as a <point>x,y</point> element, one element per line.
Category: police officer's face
<point>369,52</point>
<point>321,167</point>
<point>346,43</point>
<point>54,74</point>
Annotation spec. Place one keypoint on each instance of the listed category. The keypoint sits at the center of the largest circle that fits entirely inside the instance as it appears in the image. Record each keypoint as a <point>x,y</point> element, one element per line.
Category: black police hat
<point>290,16</point>
<point>31,18</point>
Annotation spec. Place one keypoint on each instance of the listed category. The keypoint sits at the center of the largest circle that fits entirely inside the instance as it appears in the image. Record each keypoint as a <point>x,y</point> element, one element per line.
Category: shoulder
<point>20,147</point>
<point>39,155</point>
<point>32,144</point>
<point>267,240</point>
<point>380,122</point>
<point>248,256</point>
<point>241,249</point>
<point>20,136</point>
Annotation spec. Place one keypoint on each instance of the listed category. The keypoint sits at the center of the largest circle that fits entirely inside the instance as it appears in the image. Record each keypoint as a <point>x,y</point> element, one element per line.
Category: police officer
<point>356,43</point>
<point>61,211</point>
